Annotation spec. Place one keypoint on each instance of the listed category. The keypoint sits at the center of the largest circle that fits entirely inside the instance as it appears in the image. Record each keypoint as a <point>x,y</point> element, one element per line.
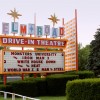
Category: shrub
<point>41,86</point>
<point>82,74</point>
<point>29,79</point>
<point>85,74</point>
<point>34,87</point>
<point>86,89</point>
<point>7,88</point>
<point>27,88</point>
<point>56,83</point>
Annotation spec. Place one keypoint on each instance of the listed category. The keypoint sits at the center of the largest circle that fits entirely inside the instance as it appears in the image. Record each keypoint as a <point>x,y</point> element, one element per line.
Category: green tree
<point>83,54</point>
<point>94,57</point>
<point>1,47</point>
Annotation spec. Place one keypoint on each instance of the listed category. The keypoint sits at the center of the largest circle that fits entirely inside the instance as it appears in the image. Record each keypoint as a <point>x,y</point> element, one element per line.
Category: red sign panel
<point>24,41</point>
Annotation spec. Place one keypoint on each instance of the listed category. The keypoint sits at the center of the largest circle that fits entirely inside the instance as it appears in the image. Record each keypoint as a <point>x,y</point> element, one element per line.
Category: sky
<point>88,14</point>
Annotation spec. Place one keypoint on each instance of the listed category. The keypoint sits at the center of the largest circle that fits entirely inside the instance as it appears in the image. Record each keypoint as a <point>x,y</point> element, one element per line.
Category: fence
<point>13,96</point>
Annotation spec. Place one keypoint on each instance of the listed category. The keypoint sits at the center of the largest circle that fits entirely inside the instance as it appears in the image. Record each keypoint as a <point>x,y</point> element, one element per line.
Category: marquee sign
<point>23,35</point>
<point>40,30</point>
<point>19,41</point>
<point>32,62</point>
<point>35,61</point>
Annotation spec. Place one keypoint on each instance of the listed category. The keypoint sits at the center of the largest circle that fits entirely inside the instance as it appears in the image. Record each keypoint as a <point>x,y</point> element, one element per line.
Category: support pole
<point>5,95</point>
<point>13,96</point>
<point>35,75</point>
<point>22,76</point>
<point>22,73</point>
<point>5,79</point>
<point>76,40</point>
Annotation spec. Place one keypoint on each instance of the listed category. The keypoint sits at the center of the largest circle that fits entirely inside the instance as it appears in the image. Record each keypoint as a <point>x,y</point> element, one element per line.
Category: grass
<point>1,98</point>
<point>9,99</point>
<point>52,98</point>
<point>42,98</point>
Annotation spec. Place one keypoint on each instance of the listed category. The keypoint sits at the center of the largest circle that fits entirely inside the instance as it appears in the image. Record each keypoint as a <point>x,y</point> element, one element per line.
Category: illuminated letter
<point>39,30</point>
<point>31,28</point>
<point>4,40</point>
<point>22,41</point>
<point>23,29</point>
<point>38,42</point>
<point>14,27</point>
<point>5,28</point>
<point>54,32</point>
<point>47,30</point>
<point>61,31</point>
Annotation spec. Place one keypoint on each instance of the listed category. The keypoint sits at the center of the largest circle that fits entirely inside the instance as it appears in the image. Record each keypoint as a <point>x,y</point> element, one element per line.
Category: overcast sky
<point>88,14</point>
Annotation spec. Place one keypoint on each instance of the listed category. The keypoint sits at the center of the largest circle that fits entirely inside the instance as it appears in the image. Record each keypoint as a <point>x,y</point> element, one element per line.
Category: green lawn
<point>53,98</point>
<point>42,98</point>
<point>9,99</point>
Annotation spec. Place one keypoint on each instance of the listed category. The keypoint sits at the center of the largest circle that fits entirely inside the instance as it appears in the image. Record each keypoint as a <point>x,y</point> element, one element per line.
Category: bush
<point>7,88</point>
<point>30,79</point>
<point>82,74</point>
<point>56,83</point>
<point>34,87</point>
<point>86,89</point>
<point>41,86</point>
<point>27,88</point>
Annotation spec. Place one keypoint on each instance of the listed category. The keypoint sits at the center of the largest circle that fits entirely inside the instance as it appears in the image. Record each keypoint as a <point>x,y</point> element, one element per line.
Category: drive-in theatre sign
<point>27,61</point>
<point>60,51</point>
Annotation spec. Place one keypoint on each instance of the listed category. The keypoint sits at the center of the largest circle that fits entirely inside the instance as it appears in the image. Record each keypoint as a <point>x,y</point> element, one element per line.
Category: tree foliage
<point>94,57</point>
<point>83,54</point>
<point>1,47</point>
